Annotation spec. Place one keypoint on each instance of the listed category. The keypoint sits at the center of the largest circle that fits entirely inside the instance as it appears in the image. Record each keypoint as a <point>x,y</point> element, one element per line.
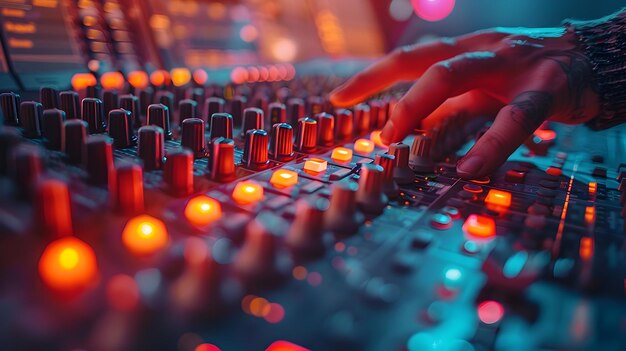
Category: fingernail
<point>469,166</point>
<point>386,136</point>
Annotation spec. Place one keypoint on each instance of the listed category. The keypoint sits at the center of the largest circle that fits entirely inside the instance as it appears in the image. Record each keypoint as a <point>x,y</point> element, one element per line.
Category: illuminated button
<point>144,235</point>
<point>248,192</point>
<point>590,214</point>
<point>554,171</point>
<point>480,226</point>
<point>112,80</point>
<point>67,264</point>
<point>375,137</point>
<point>363,146</point>
<point>315,165</point>
<point>593,187</point>
<point>202,210</point>
<point>441,221</point>
<point>586,248</point>
<point>473,188</point>
<point>341,154</point>
<point>282,345</point>
<point>283,178</point>
<point>138,79</point>
<point>160,77</point>
<point>490,312</point>
<point>180,76</point>
<point>498,198</point>
<point>81,81</point>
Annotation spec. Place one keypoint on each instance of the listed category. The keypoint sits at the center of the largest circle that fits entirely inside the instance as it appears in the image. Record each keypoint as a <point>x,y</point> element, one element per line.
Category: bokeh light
<point>433,10</point>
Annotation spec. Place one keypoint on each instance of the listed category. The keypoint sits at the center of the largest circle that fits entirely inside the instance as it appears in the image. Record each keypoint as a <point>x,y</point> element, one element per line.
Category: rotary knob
<point>223,160</point>
<point>178,173</point>
<point>295,110</point>
<point>370,196</point>
<point>70,103</point>
<point>316,105</point>
<point>49,98</point>
<point>150,147</point>
<point>305,235</point>
<point>252,119</point>
<point>221,126</point>
<point>126,189</point>
<point>255,153</point>
<point>27,168</point>
<point>192,136</point>
<point>342,216</point>
<point>99,159</point>
<point>362,117</point>
<point>387,162</point>
<point>9,139</point>
<point>9,103</point>
<point>75,136</point>
<point>281,144</point>
<point>326,129</point>
<point>146,98</point>
<point>52,129</point>
<point>30,118</point>
<point>378,114</point>
<point>237,105</point>
<point>53,211</point>
<point>345,124</point>
<point>110,101</point>
<point>278,113</point>
<point>120,128</point>
<point>164,97</point>
<point>131,103</point>
<point>306,135</point>
<point>213,105</point>
<point>93,114</point>
<point>159,115</point>
<point>187,108</point>
<point>420,160</point>
<point>402,174</point>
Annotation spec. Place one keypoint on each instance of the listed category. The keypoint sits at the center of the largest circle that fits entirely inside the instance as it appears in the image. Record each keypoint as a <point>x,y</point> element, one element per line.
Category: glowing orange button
<point>315,165</point>
<point>138,79</point>
<point>180,76</point>
<point>590,214</point>
<point>480,226</point>
<point>202,210</point>
<point>248,192</point>
<point>586,248</point>
<point>498,198</point>
<point>282,345</point>
<point>283,178</point>
<point>81,81</point>
<point>144,235</point>
<point>364,146</point>
<point>67,264</point>
<point>593,187</point>
<point>341,154</point>
<point>159,77</point>
<point>112,80</point>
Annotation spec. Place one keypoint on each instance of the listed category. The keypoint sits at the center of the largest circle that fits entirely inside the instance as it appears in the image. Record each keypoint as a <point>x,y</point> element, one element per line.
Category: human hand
<point>523,76</point>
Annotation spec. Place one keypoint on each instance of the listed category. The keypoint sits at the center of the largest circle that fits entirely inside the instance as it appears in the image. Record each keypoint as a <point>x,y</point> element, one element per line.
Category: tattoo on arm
<point>579,73</point>
<point>531,108</point>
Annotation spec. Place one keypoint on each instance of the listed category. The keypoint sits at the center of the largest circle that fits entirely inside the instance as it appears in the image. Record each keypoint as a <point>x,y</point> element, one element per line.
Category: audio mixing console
<point>257,216</point>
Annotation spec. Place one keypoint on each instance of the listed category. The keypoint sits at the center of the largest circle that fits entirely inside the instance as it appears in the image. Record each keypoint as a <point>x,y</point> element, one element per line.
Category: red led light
<point>490,312</point>
<point>207,347</point>
<point>480,226</point>
<point>282,345</point>
<point>433,10</point>
<point>68,264</point>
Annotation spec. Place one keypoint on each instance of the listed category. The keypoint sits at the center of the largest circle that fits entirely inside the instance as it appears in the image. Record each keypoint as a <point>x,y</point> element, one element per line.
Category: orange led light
<point>159,77</point>
<point>282,345</point>
<point>200,76</point>
<point>593,187</point>
<point>180,76</point>
<point>82,81</point>
<point>480,226</point>
<point>498,198</point>
<point>586,248</point>
<point>545,134</point>
<point>363,146</point>
<point>341,154</point>
<point>138,79</point>
<point>590,214</point>
<point>112,80</point>
<point>202,210</point>
<point>144,235</point>
<point>375,137</point>
<point>316,165</point>
<point>283,178</point>
<point>68,264</point>
<point>248,192</point>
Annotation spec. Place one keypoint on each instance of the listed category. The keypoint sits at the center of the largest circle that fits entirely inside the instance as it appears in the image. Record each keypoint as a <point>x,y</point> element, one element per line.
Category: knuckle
<point>442,70</point>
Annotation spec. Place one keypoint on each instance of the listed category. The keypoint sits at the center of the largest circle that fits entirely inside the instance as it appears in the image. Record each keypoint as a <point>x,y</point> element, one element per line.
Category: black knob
<point>342,217</point>
<point>110,101</point>
<point>420,160</point>
<point>192,136</point>
<point>401,173</point>
<point>197,95</point>
<point>9,103</point>
<point>178,173</point>
<point>305,234</point>
<point>370,196</point>
<point>52,129</point>
<point>387,162</point>
<point>278,113</point>
<point>221,126</point>
<point>146,98</point>
<point>27,168</point>
<point>93,114</point>
<point>75,137</point>
<point>49,98</point>
<point>213,105</point>
<point>295,110</point>
<point>281,144</point>
<point>223,160</point>
<point>30,118</point>
<point>326,129</point>
<point>306,135</point>
<point>362,117</point>
<point>344,124</point>
<point>151,147</point>
<point>237,104</point>
<point>164,97</point>
<point>9,139</point>
<point>159,115</point>
<point>255,153</point>
<point>99,159</point>
<point>121,129</point>
<point>70,103</point>
<point>126,188</point>
<point>187,108</point>
<point>131,103</point>
<point>93,91</point>
<point>252,119</point>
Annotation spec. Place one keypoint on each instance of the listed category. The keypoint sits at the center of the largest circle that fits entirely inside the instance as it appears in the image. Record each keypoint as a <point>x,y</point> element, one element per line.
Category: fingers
<point>441,81</point>
<point>471,104</point>
<point>512,126</point>
<point>406,63</point>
